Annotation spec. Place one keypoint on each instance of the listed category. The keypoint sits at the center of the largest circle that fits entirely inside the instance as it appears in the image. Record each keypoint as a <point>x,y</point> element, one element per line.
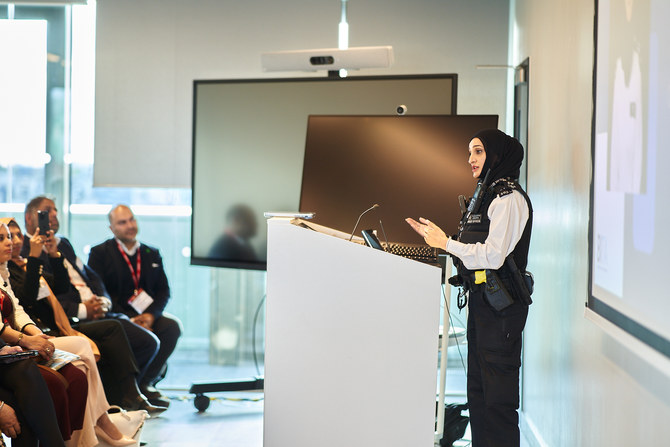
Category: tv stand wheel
<point>201,402</point>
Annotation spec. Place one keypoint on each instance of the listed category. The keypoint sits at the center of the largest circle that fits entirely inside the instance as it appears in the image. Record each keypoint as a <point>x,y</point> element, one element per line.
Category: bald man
<point>135,279</point>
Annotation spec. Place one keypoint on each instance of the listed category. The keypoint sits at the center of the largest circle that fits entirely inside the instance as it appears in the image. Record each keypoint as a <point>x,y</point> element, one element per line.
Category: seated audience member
<point>138,287</point>
<point>86,303</point>
<point>68,386</point>
<point>96,421</point>
<point>27,413</point>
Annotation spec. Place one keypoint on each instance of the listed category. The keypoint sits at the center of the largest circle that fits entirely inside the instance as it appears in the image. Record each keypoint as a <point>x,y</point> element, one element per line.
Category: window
<point>46,146</point>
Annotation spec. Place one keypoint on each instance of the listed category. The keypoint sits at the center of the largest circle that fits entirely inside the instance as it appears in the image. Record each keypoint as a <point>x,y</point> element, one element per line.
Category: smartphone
<point>9,358</point>
<point>43,221</point>
<point>372,240</point>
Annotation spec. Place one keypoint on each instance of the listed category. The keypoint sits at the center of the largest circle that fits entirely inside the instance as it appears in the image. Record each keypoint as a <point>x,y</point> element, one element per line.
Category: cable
<point>385,238</point>
<point>446,336</point>
<point>253,335</point>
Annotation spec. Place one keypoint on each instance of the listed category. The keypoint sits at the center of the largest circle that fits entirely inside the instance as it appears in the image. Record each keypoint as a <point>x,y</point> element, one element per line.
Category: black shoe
<point>154,396</point>
<point>141,403</point>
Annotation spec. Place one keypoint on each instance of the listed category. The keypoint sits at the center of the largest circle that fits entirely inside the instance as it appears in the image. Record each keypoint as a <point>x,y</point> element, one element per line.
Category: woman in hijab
<point>494,231</point>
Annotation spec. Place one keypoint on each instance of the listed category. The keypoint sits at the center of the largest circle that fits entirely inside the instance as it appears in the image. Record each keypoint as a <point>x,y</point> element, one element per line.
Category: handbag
<point>130,423</point>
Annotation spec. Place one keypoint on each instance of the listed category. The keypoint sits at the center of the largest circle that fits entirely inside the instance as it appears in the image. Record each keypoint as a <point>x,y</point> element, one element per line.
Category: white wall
<point>582,387</point>
<point>150,51</point>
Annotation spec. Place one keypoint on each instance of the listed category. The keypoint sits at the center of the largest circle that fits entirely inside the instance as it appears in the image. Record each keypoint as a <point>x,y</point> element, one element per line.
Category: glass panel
<point>23,115</point>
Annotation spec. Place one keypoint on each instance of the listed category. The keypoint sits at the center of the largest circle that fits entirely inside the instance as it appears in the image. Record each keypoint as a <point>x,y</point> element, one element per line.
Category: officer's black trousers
<point>494,359</point>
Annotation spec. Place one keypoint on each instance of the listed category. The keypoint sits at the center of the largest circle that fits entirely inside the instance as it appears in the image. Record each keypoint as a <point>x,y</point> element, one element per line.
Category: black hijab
<point>504,154</point>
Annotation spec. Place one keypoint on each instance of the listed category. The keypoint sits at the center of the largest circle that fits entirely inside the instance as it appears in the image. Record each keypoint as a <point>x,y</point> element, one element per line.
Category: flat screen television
<point>249,143</point>
<point>412,166</point>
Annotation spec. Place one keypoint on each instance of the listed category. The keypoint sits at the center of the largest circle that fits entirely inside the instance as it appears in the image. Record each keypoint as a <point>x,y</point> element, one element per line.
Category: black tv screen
<point>412,166</point>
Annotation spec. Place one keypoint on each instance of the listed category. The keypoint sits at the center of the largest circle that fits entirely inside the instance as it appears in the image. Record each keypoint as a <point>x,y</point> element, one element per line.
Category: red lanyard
<point>135,273</point>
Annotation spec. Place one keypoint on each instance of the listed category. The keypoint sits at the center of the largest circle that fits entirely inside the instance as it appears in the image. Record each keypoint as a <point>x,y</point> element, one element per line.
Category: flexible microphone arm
<point>376,205</point>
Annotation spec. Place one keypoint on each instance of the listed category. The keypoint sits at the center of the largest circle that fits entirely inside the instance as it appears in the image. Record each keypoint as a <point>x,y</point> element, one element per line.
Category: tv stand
<point>201,401</point>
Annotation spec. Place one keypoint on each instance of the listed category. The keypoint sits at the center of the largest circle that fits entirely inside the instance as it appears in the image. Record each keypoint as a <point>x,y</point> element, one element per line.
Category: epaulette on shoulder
<point>504,186</point>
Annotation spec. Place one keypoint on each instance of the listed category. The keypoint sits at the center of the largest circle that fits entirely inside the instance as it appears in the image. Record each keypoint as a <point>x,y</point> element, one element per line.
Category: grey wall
<point>582,386</point>
<point>148,52</point>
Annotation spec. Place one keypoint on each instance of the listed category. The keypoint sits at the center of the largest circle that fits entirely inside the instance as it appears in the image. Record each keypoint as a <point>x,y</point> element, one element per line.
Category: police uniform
<point>500,227</point>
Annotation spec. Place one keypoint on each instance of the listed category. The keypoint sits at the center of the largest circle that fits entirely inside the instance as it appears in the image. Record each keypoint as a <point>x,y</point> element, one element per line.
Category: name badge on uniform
<point>140,301</point>
<point>475,219</point>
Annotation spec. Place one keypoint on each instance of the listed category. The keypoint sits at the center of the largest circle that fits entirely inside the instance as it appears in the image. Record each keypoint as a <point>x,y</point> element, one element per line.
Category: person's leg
<point>96,402</point>
<point>77,394</point>
<point>144,344</point>
<point>117,366</point>
<point>168,330</point>
<point>32,403</point>
<point>475,386</point>
<point>499,354</point>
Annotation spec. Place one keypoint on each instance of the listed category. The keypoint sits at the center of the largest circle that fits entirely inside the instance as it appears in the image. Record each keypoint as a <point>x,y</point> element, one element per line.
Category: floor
<point>235,419</point>
<point>232,419</point>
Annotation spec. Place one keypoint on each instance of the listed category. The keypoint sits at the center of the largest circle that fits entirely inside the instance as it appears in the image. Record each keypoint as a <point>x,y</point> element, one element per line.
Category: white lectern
<point>351,342</point>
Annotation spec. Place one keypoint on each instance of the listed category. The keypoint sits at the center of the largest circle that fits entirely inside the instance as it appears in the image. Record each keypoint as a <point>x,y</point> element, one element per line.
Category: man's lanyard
<point>135,273</point>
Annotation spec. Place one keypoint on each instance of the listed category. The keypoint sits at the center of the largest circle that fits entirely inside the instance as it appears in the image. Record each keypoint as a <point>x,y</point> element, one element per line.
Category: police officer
<point>497,225</point>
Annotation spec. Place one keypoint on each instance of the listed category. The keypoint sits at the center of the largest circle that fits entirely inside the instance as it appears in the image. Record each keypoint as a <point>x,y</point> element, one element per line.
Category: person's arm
<point>21,318</point>
<point>9,423</point>
<point>60,281</point>
<point>508,215</point>
<point>96,260</point>
<point>26,284</point>
<point>160,288</point>
<point>95,283</point>
<point>30,338</point>
<point>95,271</point>
<point>25,334</point>
<point>31,282</point>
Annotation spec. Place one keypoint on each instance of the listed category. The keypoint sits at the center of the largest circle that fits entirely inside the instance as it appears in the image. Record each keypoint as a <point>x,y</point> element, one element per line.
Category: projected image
<point>629,242</point>
<point>629,22</point>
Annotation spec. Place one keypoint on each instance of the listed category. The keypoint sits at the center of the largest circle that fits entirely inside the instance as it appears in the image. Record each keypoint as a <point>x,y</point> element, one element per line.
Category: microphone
<point>476,200</point>
<point>376,205</point>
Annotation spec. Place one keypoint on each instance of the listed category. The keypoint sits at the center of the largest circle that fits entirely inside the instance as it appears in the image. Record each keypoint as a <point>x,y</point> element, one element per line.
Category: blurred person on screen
<point>234,244</point>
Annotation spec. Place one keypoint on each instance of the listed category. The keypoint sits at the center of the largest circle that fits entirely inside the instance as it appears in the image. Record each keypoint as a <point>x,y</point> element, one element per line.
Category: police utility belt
<point>494,288</point>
